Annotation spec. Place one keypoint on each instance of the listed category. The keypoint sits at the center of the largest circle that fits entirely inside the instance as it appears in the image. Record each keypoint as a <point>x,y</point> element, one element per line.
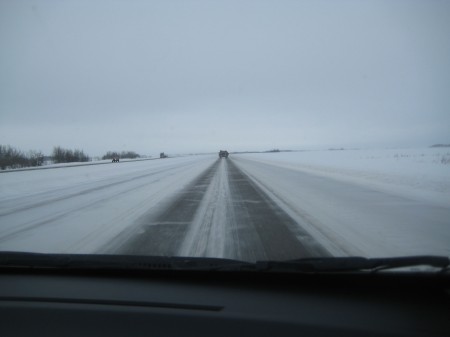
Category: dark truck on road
<point>223,154</point>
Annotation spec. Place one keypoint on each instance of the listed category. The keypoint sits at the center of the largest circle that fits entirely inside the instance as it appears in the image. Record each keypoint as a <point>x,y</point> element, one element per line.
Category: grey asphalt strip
<point>161,233</point>
<point>262,221</point>
<point>221,214</point>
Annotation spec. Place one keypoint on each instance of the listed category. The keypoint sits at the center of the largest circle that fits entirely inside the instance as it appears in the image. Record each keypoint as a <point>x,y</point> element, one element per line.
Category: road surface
<point>205,206</point>
<point>221,214</point>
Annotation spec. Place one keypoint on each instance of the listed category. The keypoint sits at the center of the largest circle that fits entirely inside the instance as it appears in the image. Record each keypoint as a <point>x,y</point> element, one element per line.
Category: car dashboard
<point>177,303</point>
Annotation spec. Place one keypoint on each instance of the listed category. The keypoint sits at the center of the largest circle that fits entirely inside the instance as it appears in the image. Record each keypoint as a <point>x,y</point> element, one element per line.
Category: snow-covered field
<point>354,202</point>
<point>420,173</point>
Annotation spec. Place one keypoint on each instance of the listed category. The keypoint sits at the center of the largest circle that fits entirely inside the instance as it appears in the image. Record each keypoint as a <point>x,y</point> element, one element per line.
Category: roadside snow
<point>362,202</point>
<point>71,164</point>
<point>422,173</point>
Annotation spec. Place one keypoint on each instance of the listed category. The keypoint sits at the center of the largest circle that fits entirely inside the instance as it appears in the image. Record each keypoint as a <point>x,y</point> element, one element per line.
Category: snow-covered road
<point>79,209</point>
<point>249,207</point>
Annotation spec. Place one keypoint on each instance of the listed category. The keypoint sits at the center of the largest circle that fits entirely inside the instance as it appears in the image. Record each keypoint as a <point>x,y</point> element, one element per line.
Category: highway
<point>222,213</point>
<point>204,206</point>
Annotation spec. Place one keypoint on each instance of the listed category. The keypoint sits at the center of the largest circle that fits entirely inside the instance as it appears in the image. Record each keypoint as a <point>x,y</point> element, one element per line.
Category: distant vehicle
<point>223,154</point>
<point>115,159</point>
<point>162,155</point>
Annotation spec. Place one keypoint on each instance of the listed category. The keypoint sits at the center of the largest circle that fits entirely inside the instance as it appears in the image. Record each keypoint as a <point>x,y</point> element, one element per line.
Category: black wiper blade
<point>352,264</point>
<point>116,262</point>
<point>132,262</point>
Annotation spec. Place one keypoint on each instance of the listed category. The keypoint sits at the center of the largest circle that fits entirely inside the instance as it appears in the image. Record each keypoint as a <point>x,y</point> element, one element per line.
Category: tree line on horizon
<point>13,158</point>
<point>61,155</point>
<point>121,155</point>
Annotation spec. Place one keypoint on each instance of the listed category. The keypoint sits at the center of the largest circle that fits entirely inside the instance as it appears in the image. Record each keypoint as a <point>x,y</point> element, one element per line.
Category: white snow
<point>207,233</point>
<point>362,202</point>
<point>415,173</point>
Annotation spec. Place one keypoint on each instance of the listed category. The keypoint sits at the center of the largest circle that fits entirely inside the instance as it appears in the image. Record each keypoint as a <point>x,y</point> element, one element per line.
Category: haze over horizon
<point>199,76</point>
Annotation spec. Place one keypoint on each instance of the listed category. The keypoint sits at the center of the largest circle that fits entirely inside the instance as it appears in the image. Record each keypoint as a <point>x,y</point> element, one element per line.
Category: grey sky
<point>194,76</point>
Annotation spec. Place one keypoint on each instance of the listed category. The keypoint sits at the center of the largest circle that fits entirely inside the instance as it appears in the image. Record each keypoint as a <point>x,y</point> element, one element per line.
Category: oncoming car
<point>223,154</point>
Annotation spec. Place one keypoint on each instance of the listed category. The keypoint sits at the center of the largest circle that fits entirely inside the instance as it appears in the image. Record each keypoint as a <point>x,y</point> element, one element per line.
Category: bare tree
<point>61,155</point>
<point>121,155</point>
<point>11,158</point>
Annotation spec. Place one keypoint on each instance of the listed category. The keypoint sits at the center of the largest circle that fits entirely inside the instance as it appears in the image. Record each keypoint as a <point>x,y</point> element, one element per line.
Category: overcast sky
<point>197,76</point>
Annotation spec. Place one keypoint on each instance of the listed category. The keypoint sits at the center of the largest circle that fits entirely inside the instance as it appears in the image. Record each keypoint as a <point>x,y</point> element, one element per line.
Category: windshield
<point>248,130</point>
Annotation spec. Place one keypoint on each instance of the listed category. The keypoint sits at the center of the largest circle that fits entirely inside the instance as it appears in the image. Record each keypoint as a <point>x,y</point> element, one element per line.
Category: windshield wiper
<point>116,262</point>
<point>352,264</point>
<point>131,262</point>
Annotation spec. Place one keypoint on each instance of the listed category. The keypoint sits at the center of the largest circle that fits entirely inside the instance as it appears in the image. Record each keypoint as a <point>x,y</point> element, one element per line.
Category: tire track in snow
<point>121,186</point>
<point>44,200</point>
